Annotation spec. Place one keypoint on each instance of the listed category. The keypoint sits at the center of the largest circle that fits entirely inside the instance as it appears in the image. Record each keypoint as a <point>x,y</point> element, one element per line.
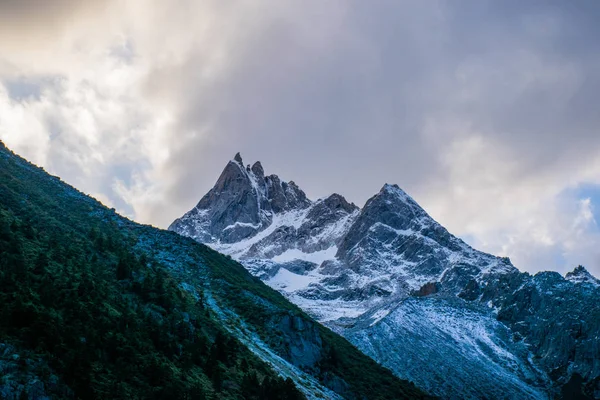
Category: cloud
<point>484,111</point>
<point>28,16</point>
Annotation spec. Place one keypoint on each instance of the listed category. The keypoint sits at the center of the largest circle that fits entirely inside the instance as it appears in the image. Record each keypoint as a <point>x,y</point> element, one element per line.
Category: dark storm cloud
<point>352,105</point>
<point>327,109</point>
<point>542,61</point>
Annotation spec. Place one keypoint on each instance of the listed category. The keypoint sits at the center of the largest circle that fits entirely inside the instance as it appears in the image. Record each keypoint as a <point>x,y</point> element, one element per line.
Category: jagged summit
<point>395,235</point>
<point>238,158</point>
<point>258,170</point>
<point>166,311</point>
<point>581,275</point>
<point>246,212</point>
<point>392,193</point>
<point>337,201</point>
<point>395,190</point>
<point>402,288</point>
<point>253,216</point>
<point>242,203</point>
<point>391,239</point>
<point>391,187</point>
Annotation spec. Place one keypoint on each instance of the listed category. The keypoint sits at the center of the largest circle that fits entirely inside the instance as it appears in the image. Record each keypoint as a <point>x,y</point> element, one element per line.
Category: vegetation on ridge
<point>101,301</point>
<point>109,322</point>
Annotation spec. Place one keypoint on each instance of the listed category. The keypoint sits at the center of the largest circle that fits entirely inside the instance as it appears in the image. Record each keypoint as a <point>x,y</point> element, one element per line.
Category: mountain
<point>458,322</point>
<point>95,306</point>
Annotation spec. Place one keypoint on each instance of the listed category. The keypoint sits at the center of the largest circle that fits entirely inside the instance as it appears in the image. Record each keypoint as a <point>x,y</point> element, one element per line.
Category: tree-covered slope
<point>93,305</point>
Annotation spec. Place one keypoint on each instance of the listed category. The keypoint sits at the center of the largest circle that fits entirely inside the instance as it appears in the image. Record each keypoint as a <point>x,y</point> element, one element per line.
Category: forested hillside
<point>94,306</point>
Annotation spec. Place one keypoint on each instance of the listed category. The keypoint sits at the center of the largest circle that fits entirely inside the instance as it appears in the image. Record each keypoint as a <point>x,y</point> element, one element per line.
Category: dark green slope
<point>93,305</point>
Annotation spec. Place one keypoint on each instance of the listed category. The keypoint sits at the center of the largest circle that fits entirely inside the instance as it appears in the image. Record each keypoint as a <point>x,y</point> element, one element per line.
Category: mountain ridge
<point>98,306</point>
<point>358,269</point>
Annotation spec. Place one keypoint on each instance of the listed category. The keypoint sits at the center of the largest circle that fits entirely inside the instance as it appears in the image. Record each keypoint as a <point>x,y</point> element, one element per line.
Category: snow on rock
<point>395,282</point>
<point>451,351</point>
<point>581,275</point>
<point>316,257</point>
<point>288,281</point>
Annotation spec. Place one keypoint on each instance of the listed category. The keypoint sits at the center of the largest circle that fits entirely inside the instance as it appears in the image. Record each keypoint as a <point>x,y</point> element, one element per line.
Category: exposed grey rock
<point>302,341</point>
<point>458,322</point>
<point>456,351</point>
<point>560,321</point>
<point>471,291</point>
<point>258,171</point>
<point>241,204</point>
<point>427,289</point>
<point>335,383</point>
<point>393,230</point>
<point>581,275</point>
<point>238,158</point>
<point>299,267</point>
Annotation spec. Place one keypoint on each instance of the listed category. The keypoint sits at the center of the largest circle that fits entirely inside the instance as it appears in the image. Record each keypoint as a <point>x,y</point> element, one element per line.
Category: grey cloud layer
<point>42,20</point>
<point>484,110</point>
<point>519,76</point>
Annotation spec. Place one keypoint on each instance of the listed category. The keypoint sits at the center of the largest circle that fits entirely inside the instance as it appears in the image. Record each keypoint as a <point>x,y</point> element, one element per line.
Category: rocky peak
<point>284,196</point>
<point>233,183</point>
<point>397,199</point>
<point>349,267</point>
<point>238,183</point>
<point>230,211</point>
<point>394,235</point>
<point>338,202</point>
<point>581,275</point>
<point>238,158</point>
<point>387,212</point>
<point>258,170</point>
<point>241,203</point>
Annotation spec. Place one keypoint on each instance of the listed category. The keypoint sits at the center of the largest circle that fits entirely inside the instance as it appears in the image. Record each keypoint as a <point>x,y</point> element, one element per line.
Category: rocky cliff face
<point>240,205</point>
<point>94,305</point>
<point>560,320</point>
<point>458,322</point>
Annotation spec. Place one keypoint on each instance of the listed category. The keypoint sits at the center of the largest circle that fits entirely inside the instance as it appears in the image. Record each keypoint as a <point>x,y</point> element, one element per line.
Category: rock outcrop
<point>459,322</point>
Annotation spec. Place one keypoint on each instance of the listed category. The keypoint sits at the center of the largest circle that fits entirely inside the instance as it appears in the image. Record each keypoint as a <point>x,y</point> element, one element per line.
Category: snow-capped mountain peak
<point>398,285</point>
<point>242,203</point>
<point>581,275</point>
<point>330,248</point>
<point>238,158</point>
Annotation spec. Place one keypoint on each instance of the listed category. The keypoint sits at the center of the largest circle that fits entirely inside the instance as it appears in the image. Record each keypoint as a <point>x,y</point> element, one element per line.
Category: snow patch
<point>316,257</point>
<point>289,282</point>
<point>242,224</point>
<point>378,316</point>
<point>238,250</point>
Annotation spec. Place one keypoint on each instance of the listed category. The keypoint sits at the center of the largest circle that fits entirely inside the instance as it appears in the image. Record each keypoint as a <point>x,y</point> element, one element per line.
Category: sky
<point>486,112</point>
